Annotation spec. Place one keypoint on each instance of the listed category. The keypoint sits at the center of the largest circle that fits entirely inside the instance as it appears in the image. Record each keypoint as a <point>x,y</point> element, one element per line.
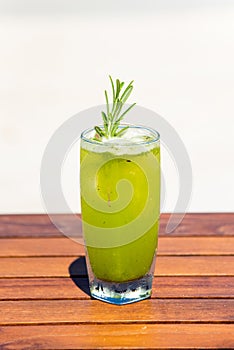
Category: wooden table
<point>45,302</point>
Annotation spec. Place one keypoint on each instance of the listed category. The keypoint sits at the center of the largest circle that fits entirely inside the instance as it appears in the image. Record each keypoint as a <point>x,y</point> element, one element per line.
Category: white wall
<point>54,62</point>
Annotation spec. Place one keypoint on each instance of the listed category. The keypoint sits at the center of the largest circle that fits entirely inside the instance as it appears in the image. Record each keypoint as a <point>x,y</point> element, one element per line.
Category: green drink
<point>120,201</point>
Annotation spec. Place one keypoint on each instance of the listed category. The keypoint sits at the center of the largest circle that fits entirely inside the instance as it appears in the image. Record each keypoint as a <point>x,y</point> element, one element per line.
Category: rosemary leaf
<point>124,99</point>
<point>122,131</point>
<point>114,129</point>
<point>127,110</point>
<point>113,89</point>
<point>105,122</point>
<point>120,106</point>
<point>117,88</point>
<point>104,117</point>
<point>97,139</point>
<point>99,131</point>
<point>127,88</point>
<point>107,103</point>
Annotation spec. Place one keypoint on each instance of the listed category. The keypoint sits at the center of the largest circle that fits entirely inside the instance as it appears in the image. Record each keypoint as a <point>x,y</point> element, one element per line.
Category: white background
<point>55,57</point>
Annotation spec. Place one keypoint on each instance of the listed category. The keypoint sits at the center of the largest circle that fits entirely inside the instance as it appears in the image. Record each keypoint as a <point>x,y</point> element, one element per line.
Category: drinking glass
<point>120,204</point>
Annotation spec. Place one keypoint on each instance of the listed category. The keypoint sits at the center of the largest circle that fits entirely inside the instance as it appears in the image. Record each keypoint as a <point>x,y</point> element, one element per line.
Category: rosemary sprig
<point>114,114</point>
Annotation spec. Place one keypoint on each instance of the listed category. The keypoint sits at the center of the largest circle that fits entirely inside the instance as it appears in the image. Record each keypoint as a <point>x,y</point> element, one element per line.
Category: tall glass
<point>120,202</point>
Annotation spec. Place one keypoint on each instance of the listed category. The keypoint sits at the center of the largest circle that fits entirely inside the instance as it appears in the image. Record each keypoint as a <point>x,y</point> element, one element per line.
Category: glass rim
<point>153,132</point>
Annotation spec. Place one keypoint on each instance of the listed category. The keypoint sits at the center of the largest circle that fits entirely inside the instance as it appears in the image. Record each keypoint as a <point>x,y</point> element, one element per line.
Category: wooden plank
<point>16,247</point>
<point>195,265</point>
<point>193,287</point>
<point>165,266</point>
<point>26,247</point>
<point>77,288</point>
<point>35,225</point>
<point>150,336</point>
<point>193,224</point>
<point>201,224</point>
<point>41,267</point>
<point>196,245</point>
<point>94,311</point>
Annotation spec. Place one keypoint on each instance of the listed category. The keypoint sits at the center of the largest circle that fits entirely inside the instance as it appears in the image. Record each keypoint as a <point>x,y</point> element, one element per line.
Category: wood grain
<point>93,311</point>
<point>17,247</point>
<point>165,266</point>
<point>201,224</point>
<point>35,225</point>
<point>163,287</point>
<point>150,336</point>
<point>193,224</point>
<point>195,266</point>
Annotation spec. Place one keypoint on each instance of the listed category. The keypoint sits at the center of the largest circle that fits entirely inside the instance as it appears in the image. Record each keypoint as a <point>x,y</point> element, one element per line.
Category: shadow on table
<point>79,275</point>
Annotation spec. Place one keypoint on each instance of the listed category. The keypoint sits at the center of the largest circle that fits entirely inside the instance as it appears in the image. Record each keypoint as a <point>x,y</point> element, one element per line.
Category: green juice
<point>120,202</point>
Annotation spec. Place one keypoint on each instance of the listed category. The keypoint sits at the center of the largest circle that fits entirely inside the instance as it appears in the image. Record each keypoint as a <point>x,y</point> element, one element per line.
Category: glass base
<point>124,292</point>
